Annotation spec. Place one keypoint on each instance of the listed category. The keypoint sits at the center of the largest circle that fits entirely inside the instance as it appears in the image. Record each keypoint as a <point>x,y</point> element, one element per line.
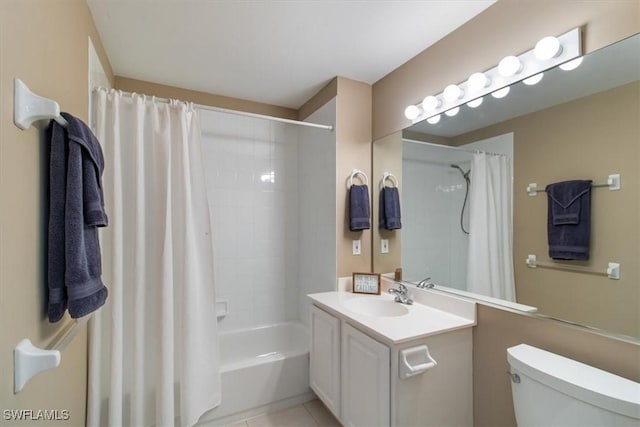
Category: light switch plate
<point>356,247</point>
<point>384,246</point>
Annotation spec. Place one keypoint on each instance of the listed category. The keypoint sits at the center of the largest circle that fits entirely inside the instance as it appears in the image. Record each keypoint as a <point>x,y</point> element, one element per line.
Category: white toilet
<point>551,390</point>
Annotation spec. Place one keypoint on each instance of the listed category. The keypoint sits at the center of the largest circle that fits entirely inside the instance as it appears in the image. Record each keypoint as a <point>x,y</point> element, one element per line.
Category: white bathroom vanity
<point>377,362</point>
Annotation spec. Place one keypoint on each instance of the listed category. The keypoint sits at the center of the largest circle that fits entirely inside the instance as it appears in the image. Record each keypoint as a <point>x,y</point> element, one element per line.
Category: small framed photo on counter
<point>366,283</point>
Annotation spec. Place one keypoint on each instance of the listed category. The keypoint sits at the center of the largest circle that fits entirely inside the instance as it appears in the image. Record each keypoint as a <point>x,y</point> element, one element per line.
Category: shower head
<point>464,174</point>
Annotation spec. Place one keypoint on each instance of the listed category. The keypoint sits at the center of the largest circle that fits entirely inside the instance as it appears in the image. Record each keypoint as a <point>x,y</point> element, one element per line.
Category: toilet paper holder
<point>415,361</point>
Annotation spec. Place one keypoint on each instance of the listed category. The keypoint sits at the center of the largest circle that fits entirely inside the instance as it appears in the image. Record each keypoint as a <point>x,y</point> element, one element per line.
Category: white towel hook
<point>355,173</point>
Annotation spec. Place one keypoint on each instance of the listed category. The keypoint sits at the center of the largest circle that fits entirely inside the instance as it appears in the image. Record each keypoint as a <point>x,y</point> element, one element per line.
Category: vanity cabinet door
<point>325,358</point>
<point>365,380</point>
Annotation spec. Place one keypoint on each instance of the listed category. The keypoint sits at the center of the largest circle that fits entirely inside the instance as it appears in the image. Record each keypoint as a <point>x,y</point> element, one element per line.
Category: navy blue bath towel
<point>76,210</point>
<point>390,209</point>
<point>359,211</point>
<point>569,219</point>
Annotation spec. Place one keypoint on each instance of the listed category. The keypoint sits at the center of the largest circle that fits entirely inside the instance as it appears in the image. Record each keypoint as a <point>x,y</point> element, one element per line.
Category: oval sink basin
<point>376,307</point>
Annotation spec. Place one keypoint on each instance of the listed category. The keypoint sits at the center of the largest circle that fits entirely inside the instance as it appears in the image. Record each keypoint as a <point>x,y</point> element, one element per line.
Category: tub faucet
<point>425,283</point>
<point>401,294</point>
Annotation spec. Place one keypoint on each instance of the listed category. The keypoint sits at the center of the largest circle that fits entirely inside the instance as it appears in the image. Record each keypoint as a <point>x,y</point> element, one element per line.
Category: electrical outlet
<point>356,247</point>
<point>384,246</point>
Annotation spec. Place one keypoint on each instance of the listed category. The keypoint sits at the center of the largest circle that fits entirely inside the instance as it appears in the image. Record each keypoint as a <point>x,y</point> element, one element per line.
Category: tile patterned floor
<point>310,414</point>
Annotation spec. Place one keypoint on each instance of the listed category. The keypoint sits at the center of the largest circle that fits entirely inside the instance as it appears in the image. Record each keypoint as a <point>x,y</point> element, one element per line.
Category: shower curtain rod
<point>450,147</point>
<point>235,112</point>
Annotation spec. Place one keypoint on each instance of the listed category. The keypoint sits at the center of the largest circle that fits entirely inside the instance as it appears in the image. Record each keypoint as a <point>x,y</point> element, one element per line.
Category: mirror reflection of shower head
<point>465,175</point>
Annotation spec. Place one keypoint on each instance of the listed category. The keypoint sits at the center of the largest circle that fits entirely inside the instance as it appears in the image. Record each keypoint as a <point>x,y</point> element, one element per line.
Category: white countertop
<point>421,320</point>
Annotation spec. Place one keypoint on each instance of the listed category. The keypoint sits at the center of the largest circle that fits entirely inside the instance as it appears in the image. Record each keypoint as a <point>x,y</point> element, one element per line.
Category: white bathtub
<point>262,369</point>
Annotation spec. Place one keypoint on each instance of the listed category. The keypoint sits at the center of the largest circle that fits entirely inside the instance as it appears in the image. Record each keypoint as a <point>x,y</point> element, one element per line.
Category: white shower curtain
<point>153,353</point>
<point>490,259</point>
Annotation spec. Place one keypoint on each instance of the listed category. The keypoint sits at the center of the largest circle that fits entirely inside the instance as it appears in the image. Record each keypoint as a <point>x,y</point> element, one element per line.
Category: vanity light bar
<point>570,47</point>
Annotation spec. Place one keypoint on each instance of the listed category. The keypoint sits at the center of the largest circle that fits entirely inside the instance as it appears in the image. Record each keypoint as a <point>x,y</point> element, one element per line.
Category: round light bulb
<point>571,65</point>
<point>452,93</point>
<point>452,112</point>
<point>547,48</point>
<point>477,81</point>
<point>500,93</point>
<point>412,112</point>
<point>433,120</point>
<point>509,66</point>
<point>533,80</point>
<point>430,103</point>
<point>475,103</point>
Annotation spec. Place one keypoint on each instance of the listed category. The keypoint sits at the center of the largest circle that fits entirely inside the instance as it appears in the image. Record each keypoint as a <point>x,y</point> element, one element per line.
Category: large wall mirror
<point>582,124</point>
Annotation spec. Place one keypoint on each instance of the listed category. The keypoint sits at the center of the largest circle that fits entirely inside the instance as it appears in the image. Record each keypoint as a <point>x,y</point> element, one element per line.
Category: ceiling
<point>276,52</point>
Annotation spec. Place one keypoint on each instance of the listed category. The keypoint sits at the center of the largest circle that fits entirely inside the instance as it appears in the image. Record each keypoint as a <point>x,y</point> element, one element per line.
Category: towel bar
<point>612,271</point>
<point>613,183</point>
<point>29,107</point>
<point>29,360</point>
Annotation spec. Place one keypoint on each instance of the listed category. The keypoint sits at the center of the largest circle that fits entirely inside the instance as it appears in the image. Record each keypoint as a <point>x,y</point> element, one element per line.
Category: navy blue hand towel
<point>359,211</point>
<point>569,219</point>
<point>390,209</point>
<point>76,209</point>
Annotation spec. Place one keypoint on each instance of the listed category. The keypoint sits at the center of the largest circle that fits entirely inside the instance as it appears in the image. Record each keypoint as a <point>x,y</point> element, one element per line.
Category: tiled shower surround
<point>260,175</point>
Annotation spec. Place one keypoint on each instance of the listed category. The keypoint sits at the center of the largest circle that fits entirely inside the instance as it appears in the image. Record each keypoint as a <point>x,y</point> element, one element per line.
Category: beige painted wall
<point>323,96</point>
<point>44,43</point>
<point>164,91</point>
<point>588,138</point>
<point>498,330</point>
<point>508,27</point>
<point>353,151</point>
<point>387,157</point>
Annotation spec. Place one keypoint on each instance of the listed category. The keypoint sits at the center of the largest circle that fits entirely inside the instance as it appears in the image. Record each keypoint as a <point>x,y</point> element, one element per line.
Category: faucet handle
<point>425,283</point>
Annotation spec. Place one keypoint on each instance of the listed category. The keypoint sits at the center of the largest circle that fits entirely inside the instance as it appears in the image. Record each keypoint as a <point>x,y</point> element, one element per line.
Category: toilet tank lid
<point>584,382</point>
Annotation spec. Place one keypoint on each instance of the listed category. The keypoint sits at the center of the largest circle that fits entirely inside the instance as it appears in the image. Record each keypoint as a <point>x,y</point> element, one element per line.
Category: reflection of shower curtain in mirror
<point>490,261</point>
<point>153,350</point>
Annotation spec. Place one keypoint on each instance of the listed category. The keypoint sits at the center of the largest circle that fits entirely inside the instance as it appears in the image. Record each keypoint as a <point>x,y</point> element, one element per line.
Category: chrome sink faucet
<point>401,294</point>
<point>425,283</point>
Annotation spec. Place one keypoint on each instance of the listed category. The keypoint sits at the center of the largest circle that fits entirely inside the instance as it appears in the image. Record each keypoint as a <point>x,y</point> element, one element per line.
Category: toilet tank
<point>551,390</point>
